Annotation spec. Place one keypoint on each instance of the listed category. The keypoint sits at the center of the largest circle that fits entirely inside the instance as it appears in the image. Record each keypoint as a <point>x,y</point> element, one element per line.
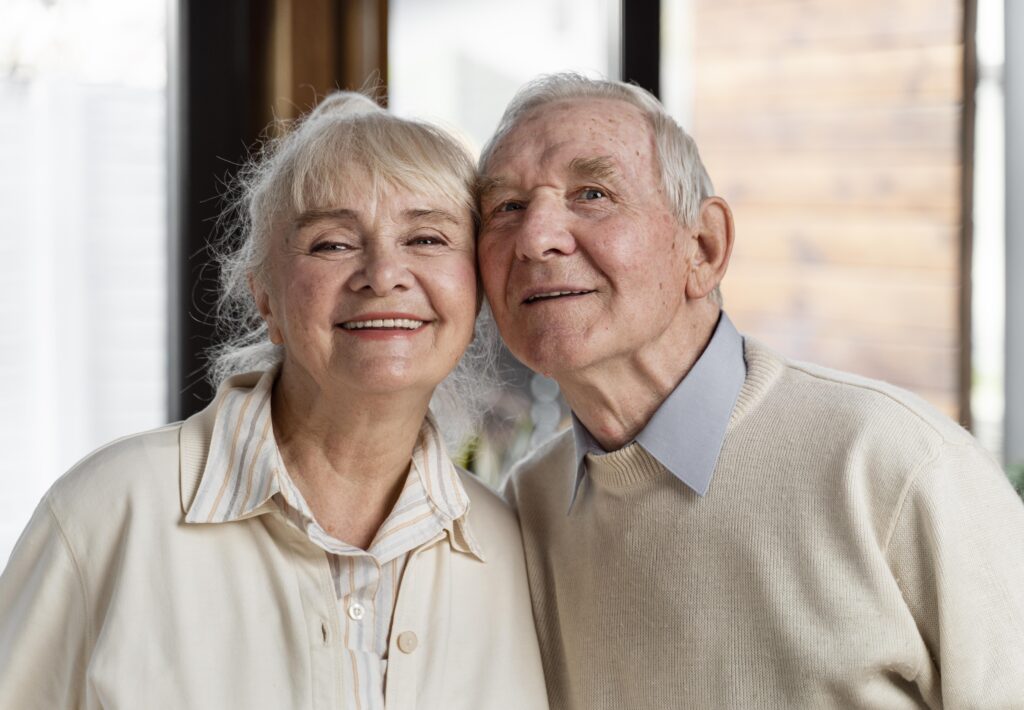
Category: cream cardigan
<point>111,601</point>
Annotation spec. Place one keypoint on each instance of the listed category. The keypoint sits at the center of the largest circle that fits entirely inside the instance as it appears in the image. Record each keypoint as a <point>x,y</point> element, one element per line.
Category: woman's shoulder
<point>490,515</point>
<point>122,474</point>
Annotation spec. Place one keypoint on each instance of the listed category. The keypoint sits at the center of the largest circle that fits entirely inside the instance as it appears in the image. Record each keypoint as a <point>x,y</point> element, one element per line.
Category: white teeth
<point>554,294</point>
<point>393,323</point>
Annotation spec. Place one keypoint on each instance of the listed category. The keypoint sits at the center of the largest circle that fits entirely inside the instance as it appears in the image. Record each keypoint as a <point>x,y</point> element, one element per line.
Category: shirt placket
<point>361,606</point>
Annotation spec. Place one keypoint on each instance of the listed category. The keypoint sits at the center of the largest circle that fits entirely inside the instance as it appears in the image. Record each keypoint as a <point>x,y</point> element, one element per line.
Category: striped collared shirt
<point>245,476</point>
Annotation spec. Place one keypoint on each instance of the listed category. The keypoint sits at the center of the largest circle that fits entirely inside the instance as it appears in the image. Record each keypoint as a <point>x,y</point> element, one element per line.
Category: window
<point>82,237</point>
<point>462,81</point>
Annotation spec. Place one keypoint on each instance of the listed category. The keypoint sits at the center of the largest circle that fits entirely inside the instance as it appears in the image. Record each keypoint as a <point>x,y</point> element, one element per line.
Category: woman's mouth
<point>383,324</point>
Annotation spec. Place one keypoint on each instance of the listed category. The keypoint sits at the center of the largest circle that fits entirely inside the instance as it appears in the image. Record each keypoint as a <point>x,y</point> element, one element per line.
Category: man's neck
<point>615,399</point>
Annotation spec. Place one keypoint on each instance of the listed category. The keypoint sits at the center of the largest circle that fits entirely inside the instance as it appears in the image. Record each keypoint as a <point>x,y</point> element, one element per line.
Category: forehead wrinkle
<point>551,151</point>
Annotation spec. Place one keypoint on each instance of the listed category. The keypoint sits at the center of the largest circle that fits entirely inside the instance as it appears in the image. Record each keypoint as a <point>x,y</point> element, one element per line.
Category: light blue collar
<point>686,432</point>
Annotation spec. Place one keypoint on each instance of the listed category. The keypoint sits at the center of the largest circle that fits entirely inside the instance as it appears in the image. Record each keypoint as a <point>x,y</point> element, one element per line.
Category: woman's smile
<point>382,326</point>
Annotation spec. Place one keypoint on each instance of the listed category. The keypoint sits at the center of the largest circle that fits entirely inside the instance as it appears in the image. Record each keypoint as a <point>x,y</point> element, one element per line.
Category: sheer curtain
<point>82,237</point>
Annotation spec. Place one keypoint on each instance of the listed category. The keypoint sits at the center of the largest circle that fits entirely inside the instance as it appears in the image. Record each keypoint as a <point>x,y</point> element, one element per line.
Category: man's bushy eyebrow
<point>486,184</point>
<point>600,167</point>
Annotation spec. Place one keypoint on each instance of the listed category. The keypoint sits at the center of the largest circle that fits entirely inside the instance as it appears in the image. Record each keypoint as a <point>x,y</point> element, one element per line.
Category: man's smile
<point>550,294</point>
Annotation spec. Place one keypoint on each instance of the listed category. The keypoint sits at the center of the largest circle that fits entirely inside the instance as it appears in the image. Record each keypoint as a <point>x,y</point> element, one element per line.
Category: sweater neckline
<point>624,467</point>
<point>632,464</point>
<point>764,367</point>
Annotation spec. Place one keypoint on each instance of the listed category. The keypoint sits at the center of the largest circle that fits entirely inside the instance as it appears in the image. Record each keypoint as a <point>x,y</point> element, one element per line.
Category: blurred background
<point>872,151</point>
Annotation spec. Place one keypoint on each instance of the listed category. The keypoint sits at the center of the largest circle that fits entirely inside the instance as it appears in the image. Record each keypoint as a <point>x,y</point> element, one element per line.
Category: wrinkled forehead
<point>559,134</point>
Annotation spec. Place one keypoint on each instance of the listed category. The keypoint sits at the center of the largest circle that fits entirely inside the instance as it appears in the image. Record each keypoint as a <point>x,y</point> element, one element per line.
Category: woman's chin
<point>381,379</point>
<point>343,378</point>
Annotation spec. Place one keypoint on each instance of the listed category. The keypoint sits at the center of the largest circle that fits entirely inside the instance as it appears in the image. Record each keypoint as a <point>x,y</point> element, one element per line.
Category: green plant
<point>1015,472</point>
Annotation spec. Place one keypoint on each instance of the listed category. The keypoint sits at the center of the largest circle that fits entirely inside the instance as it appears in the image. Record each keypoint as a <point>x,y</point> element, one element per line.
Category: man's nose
<point>544,232</point>
<point>383,270</point>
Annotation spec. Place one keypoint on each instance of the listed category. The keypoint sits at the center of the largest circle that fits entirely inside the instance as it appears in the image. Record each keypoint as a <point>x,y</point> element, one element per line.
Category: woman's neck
<point>347,452</point>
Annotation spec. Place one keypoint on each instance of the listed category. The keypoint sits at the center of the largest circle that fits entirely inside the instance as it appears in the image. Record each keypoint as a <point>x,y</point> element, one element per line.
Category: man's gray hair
<point>303,169</point>
<point>683,175</point>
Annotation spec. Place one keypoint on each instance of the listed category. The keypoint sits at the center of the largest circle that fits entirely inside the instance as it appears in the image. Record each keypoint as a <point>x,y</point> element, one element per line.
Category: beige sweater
<point>855,550</point>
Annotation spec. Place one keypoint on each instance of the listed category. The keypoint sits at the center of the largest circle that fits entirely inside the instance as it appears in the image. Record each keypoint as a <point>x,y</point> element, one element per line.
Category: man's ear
<point>263,304</point>
<point>710,259</point>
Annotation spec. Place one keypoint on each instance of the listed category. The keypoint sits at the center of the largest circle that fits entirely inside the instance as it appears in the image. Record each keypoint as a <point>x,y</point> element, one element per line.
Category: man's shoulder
<point>845,401</point>
<point>553,458</point>
<point>496,517</point>
<point>547,472</point>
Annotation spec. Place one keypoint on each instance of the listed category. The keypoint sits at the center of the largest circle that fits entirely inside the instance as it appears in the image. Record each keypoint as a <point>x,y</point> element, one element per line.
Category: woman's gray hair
<point>302,169</point>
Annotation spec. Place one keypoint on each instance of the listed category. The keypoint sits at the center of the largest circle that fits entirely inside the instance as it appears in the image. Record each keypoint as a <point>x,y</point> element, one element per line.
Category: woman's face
<point>375,293</point>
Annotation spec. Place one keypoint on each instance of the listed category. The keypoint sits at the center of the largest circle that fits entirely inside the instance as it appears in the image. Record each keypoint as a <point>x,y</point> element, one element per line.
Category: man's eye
<point>426,240</point>
<point>509,206</point>
<point>591,193</point>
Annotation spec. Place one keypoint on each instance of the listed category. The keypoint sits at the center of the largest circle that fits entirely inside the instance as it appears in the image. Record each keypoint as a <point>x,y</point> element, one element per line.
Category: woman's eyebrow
<point>310,216</point>
<point>420,213</point>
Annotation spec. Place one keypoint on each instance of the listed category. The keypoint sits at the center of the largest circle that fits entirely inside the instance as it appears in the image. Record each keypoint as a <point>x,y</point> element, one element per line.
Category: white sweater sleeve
<point>957,551</point>
<point>44,624</point>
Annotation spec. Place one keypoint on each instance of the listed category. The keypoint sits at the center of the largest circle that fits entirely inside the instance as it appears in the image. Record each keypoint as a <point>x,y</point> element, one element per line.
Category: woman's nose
<point>382,272</point>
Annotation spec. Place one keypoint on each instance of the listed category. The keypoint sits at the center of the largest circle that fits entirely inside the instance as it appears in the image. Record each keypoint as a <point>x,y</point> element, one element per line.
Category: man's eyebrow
<point>600,167</point>
<point>486,184</point>
<point>310,216</point>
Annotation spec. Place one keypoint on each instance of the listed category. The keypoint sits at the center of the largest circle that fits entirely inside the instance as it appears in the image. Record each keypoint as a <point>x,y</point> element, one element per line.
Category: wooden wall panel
<point>317,46</point>
<point>767,25</point>
<point>834,129</point>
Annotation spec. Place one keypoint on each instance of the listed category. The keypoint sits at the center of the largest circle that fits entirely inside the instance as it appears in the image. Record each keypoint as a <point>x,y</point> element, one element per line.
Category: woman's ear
<point>710,259</point>
<point>265,307</point>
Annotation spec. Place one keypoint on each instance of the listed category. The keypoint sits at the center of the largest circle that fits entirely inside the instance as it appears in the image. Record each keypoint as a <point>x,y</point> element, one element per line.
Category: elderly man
<point>721,527</point>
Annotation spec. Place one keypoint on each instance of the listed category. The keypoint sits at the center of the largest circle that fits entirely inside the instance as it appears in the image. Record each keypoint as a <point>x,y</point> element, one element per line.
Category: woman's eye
<point>329,247</point>
<point>592,193</point>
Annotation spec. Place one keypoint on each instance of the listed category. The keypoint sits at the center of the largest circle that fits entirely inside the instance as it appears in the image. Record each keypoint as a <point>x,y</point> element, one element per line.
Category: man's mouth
<point>548,295</point>
<point>383,324</point>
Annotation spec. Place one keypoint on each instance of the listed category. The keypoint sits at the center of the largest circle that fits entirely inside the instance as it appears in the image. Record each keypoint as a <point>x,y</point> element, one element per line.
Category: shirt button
<point>356,611</point>
<point>407,642</point>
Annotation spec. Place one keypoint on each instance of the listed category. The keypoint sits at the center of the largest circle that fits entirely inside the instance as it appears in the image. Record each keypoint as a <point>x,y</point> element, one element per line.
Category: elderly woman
<point>305,541</point>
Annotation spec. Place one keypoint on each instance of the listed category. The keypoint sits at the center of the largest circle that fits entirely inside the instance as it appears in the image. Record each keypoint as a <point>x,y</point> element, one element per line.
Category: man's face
<point>582,260</point>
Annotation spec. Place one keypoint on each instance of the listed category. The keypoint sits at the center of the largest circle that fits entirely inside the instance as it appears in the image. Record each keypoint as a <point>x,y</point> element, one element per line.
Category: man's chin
<point>552,357</point>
